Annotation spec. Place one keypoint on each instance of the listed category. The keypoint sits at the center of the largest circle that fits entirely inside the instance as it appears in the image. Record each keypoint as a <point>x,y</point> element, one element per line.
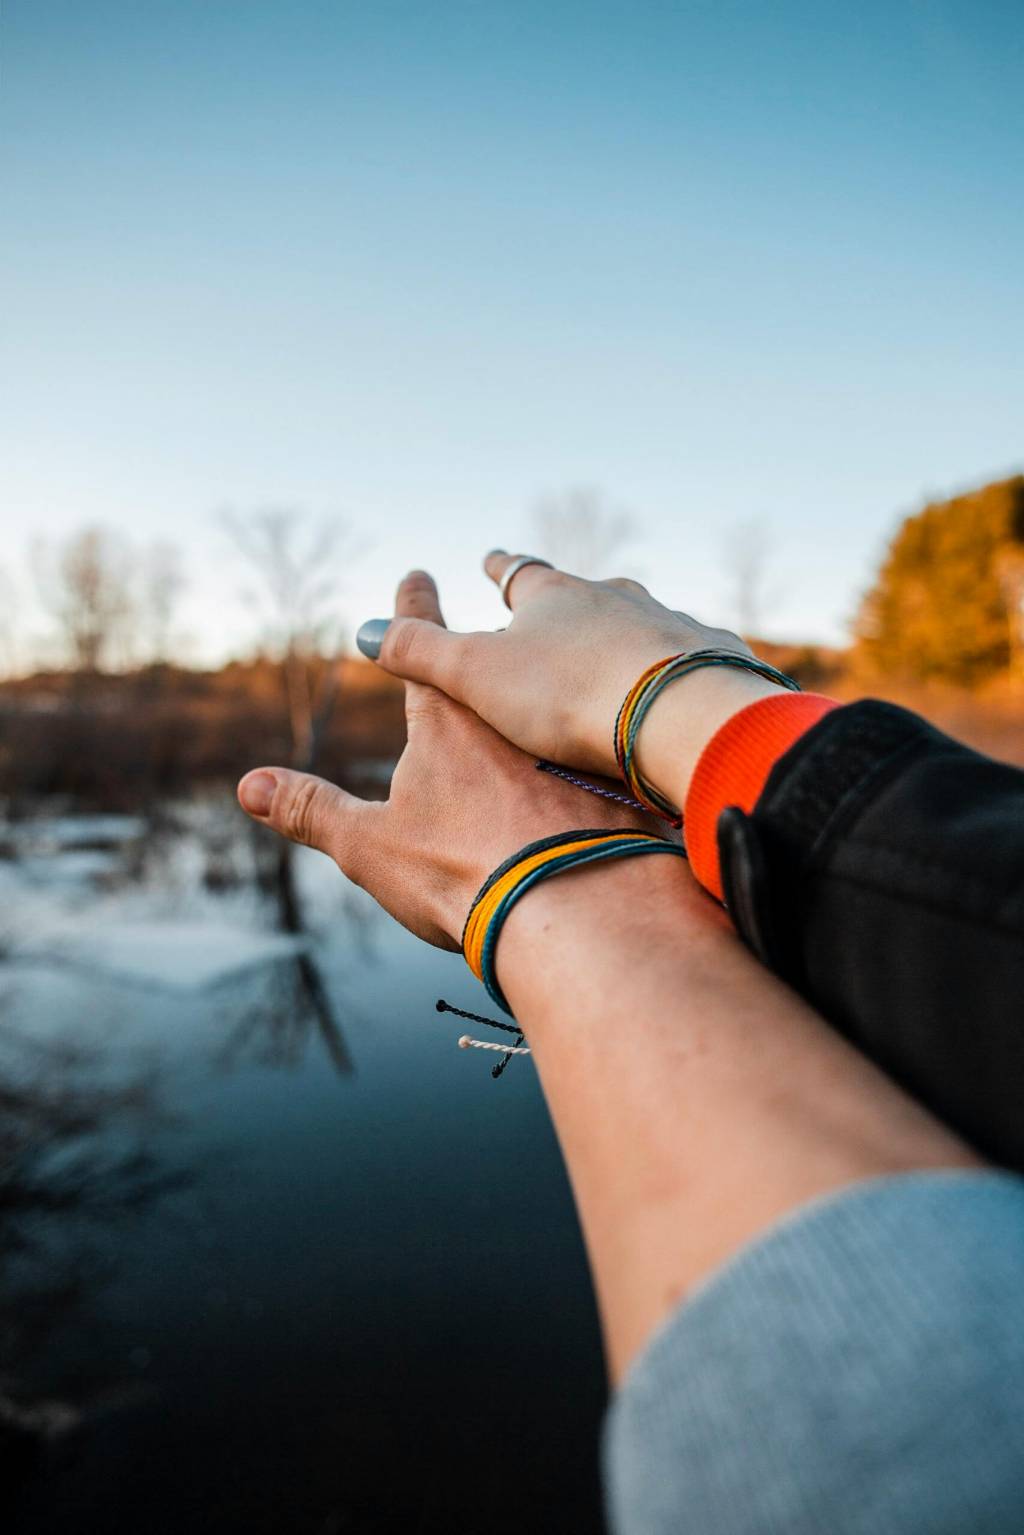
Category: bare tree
<point>748,553</point>
<point>296,563</point>
<point>580,529</point>
<point>86,584</point>
<point>161,582</point>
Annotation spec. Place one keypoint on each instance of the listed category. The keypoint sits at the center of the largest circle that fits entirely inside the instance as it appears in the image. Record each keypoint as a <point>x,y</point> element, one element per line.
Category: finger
<point>525,582</point>
<point>417,597</point>
<point>305,809</point>
<point>415,645</point>
<point>419,650</point>
<point>422,651</point>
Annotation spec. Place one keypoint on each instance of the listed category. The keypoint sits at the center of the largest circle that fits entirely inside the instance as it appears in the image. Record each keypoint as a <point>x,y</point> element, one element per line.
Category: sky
<point>418,265</point>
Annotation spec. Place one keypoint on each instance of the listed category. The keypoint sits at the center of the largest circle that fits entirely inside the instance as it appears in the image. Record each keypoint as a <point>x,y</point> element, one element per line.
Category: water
<point>276,1255</point>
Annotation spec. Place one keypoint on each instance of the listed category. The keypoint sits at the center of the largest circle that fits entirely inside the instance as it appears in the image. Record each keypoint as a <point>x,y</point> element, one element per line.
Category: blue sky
<point>420,264</point>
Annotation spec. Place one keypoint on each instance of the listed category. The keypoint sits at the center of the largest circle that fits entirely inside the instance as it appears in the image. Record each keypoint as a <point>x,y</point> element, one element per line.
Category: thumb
<point>421,651</point>
<point>302,808</point>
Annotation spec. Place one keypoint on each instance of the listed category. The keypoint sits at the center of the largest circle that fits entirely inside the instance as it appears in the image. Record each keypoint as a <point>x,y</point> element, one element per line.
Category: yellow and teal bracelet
<point>532,864</point>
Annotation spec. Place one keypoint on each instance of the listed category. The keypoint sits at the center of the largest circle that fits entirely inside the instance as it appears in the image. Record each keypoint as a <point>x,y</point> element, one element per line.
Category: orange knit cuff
<point>734,767</point>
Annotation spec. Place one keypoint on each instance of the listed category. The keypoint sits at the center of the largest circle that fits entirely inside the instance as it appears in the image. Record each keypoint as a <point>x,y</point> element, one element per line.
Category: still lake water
<point>276,1256</point>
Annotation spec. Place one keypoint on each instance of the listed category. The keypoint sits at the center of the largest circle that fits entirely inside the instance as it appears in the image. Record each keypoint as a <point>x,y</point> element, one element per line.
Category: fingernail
<point>371,636</point>
<point>257,793</point>
<point>494,551</point>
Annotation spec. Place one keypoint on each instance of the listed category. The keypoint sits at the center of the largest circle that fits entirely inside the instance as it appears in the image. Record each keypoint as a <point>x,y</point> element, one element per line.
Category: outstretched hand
<point>552,682</point>
<point>462,800</point>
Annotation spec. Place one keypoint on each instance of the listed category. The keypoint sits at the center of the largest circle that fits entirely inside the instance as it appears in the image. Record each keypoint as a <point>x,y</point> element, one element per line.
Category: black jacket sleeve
<point>882,874</point>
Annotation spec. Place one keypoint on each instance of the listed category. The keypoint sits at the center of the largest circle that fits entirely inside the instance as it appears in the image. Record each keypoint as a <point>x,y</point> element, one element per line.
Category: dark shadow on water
<point>312,986</point>
<point>76,1163</point>
<point>274,1029</point>
<point>315,989</point>
<point>296,1000</point>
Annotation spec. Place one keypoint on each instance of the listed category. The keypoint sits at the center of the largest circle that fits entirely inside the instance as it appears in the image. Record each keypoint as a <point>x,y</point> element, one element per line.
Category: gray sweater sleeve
<point>857,1371</point>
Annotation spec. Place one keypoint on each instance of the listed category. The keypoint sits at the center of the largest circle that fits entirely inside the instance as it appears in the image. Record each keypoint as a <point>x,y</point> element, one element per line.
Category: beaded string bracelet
<point>649,686</point>
<point>510,882</point>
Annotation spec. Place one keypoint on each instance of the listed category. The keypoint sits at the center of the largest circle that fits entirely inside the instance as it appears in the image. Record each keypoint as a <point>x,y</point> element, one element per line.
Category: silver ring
<point>514,569</point>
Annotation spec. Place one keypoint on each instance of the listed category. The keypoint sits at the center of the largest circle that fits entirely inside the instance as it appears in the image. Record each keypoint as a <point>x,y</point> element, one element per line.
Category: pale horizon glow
<point>421,266</point>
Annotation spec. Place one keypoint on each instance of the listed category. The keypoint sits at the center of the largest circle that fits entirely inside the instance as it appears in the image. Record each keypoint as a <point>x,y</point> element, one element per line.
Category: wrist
<point>686,717</point>
<point>622,905</point>
<point>545,859</point>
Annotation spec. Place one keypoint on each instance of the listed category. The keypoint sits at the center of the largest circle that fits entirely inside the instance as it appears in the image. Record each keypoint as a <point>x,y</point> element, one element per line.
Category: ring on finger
<point>514,569</point>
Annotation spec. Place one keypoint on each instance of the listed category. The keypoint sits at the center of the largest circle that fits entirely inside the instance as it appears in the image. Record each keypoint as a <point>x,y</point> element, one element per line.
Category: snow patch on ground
<point>182,955</point>
<point>68,901</point>
<point>75,831</point>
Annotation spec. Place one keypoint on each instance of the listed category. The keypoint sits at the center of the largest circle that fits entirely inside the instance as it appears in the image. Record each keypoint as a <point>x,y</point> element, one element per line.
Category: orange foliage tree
<point>948,603</point>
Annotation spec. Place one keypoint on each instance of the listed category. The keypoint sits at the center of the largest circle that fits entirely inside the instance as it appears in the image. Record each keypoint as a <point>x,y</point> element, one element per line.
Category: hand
<point>462,800</point>
<point>552,682</point>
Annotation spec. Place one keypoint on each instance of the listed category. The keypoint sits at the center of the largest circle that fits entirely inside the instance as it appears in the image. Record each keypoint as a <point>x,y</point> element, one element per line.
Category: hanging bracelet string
<point>510,882</point>
<point>649,686</point>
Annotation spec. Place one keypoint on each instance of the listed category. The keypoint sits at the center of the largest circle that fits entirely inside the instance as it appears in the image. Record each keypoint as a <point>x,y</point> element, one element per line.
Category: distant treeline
<point>941,630</point>
<point>117,740</point>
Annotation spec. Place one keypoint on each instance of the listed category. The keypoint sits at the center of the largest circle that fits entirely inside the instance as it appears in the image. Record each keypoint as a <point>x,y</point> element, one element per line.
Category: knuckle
<point>302,811</point>
<point>424,703</point>
<point>355,857</point>
<point>454,661</point>
<point>402,643</point>
<point>533,580</point>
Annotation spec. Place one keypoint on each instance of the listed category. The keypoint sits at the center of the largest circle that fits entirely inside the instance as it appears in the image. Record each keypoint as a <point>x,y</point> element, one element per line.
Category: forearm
<point>876,865</point>
<point>882,873</point>
<point>696,1098</point>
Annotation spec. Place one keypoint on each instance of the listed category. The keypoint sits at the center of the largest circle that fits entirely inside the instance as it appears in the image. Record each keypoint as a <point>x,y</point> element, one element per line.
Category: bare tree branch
<point>580,530</point>
<point>86,585</point>
<point>747,555</point>
<point>297,563</point>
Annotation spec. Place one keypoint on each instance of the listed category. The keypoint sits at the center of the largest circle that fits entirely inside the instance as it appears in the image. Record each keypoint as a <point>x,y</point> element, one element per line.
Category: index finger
<point>417,597</point>
<point>526,581</point>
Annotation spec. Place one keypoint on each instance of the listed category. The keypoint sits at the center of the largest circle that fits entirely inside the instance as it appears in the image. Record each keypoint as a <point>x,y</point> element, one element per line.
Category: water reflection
<point>83,1145</point>
<point>190,896</point>
<point>76,1160</point>
<point>303,995</point>
<point>275,1028</point>
<point>239,1279</point>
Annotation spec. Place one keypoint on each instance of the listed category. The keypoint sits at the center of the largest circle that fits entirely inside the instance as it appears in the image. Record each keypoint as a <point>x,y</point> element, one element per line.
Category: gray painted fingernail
<point>371,636</point>
<point>494,551</point>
